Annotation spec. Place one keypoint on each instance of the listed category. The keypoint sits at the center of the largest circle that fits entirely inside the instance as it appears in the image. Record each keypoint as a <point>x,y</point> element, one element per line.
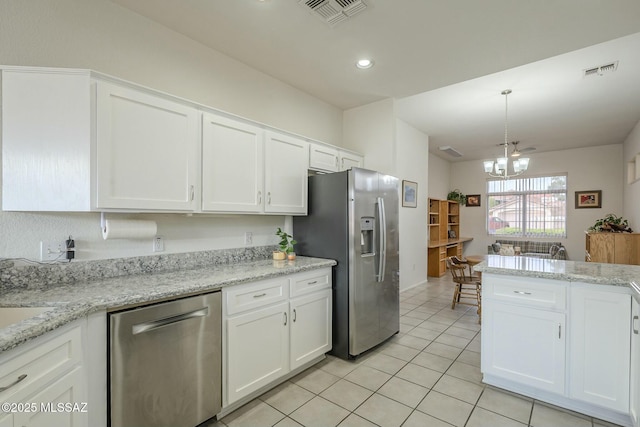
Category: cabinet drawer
<point>528,292</point>
<point>259,294</point>
<point>44,359</point>
<point>310,282</point>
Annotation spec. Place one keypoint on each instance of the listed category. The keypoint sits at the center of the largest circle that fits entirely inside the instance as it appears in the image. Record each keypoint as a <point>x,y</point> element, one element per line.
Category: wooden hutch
<point>444,235</point>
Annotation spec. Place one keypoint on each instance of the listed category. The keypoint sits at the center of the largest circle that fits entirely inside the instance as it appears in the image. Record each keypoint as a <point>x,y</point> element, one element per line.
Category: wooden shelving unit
<point>444,235</point>
<point>613,248</point>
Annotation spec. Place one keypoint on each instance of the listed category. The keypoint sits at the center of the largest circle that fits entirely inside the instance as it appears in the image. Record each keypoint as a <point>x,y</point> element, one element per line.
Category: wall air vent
<point>334,11</point>
<point>601,69</point>
<point>450,151</point>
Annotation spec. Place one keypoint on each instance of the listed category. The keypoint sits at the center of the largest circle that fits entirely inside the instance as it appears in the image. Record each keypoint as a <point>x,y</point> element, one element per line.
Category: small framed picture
<point>409,194</point>
<point>473,200</point>
<point>588,199</point>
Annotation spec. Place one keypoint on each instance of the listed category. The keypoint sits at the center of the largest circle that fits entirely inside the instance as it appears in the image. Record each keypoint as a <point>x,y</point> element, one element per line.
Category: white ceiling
<point>445,62</point>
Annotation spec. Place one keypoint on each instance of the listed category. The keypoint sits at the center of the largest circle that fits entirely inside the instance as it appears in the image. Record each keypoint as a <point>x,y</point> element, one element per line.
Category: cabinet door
<point>602,247</point>
<point>232,165</point>
<point>600,347</point>
<point>7,420</point>
<point>349,160</point>
<point>286,169</point>
<point>310,327</point>
<point>634,377</point>
<point>257,349</point>
<point>323,158</point>
<point>46,135</point>
<point>146,151</point>
<point>67,390</point>
<point>524,345</point>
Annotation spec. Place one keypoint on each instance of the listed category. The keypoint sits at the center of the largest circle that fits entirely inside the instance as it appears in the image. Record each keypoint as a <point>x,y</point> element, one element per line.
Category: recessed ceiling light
<point>364,64</point>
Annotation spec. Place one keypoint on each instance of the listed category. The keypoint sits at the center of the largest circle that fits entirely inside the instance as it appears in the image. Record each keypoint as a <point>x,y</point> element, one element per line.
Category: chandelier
<point>499,168</point>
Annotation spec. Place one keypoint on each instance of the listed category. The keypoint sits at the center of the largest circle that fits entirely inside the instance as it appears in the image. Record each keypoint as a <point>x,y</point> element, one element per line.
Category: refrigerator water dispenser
<point>366,235</point>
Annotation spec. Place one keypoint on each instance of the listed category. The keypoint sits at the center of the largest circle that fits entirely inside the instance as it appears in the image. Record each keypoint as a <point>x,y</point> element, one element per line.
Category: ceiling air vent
<point>601,70</point>
<point>334,11</point>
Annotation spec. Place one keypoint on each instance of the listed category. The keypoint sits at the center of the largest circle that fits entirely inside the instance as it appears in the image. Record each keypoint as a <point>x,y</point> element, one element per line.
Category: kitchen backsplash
<point>41,276</point>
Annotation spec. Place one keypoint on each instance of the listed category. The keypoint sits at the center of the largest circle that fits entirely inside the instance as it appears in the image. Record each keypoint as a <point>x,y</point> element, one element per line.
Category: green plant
<point>457,196</point>
<point>611,222</point>
<point>286,241</point>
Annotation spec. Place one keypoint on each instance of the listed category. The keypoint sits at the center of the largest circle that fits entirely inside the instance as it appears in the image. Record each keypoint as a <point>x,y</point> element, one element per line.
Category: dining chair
<point>467,286</point>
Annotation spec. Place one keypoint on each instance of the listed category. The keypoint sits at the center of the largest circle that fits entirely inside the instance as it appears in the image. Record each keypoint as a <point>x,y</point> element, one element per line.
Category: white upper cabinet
<point>146,151</point>
<point>76,140</point>
<point>46,132</point>
<point>232,165</point>
<point>323,158</point>
<point>348,160</point>
<point>286,165</point>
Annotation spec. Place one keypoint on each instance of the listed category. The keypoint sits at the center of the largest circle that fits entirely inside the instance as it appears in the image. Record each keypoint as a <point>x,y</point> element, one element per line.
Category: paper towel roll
<point>129,229</point>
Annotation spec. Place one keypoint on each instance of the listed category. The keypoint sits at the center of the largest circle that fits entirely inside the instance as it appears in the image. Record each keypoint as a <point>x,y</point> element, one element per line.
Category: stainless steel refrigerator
<point>353,218</point>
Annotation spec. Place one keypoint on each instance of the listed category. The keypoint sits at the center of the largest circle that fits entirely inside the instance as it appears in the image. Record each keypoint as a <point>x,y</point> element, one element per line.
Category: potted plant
<point>457,196</point>
<point>286,245</point>
<point>611,223</point>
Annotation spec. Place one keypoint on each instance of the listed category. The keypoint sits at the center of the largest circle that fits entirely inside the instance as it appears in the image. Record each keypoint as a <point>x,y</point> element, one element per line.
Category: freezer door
<point>364,239</point>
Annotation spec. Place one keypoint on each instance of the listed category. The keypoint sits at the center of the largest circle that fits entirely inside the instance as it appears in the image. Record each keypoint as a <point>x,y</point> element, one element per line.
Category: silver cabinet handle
<point>635,330</point>
<point>260,295</point>
<point>312,283</point>
<point>192,192</point>
<point>336,161</point>
<point>295,315</point>
<point>269,198</point>
<point>285,319</point>
<point>559,331</point>
<point>155,324</point>
<point>259,197</point>
<point>522,293</point>
<point>20,378</point>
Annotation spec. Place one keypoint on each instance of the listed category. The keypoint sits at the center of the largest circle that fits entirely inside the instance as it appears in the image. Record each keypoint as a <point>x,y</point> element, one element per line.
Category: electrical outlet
<point>158,244</point>
<point>248,238</point>
<point>53,250</point>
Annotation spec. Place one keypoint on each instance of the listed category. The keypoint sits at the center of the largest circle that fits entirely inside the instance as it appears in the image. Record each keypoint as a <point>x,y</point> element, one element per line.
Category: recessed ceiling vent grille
<point>450,151</point>
<point>334,11</point>
<point>601,70</point>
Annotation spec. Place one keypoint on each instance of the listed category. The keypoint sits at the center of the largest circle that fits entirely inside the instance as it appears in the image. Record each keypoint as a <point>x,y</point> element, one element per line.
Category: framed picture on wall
<point>409,194</point>
<point>588,199</point>
<point>473,200</point>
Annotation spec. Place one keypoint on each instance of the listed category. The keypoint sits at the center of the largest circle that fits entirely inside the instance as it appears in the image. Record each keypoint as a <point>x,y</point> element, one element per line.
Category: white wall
<point>412,154</point>
<point>439,177</point>
<point>100,35</point>
<point>393,147</point>
<point>632,191</point>
<point>593,168</point>
<point>370,129</point>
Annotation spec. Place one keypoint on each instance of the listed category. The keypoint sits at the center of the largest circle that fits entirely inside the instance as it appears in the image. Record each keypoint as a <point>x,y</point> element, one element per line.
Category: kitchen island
<point>561,332</point>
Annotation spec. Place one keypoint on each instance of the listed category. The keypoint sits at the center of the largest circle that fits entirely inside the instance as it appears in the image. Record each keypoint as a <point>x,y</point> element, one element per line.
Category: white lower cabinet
<point>600,347</point>
<point>310,327</point>
<point>526,345</point>
<point>634,389</point>
<point>257,348</point>
<point>52,372</point>
<point>564,343</point>
<point>267,334</point>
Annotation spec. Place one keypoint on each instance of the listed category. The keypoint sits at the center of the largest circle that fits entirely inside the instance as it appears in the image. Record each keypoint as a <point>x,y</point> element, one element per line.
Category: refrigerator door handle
<point>382,252</point>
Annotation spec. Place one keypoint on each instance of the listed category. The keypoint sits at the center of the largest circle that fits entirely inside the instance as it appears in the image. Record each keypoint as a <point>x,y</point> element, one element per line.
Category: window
<point>528,207</point>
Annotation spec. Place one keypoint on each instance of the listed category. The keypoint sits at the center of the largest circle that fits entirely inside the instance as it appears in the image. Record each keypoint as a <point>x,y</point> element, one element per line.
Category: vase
<point>279,255</point>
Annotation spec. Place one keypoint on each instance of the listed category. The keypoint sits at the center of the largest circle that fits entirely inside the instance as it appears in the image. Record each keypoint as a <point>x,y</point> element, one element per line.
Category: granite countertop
<point>572,271</point>
<point>76,300</point>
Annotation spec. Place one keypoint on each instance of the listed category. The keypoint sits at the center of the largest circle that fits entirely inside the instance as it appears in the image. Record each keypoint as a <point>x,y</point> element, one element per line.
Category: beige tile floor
<point>427,375</point>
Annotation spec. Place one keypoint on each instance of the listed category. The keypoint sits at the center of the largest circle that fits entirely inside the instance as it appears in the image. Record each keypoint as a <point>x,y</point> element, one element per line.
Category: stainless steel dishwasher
<point>165,364</point>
